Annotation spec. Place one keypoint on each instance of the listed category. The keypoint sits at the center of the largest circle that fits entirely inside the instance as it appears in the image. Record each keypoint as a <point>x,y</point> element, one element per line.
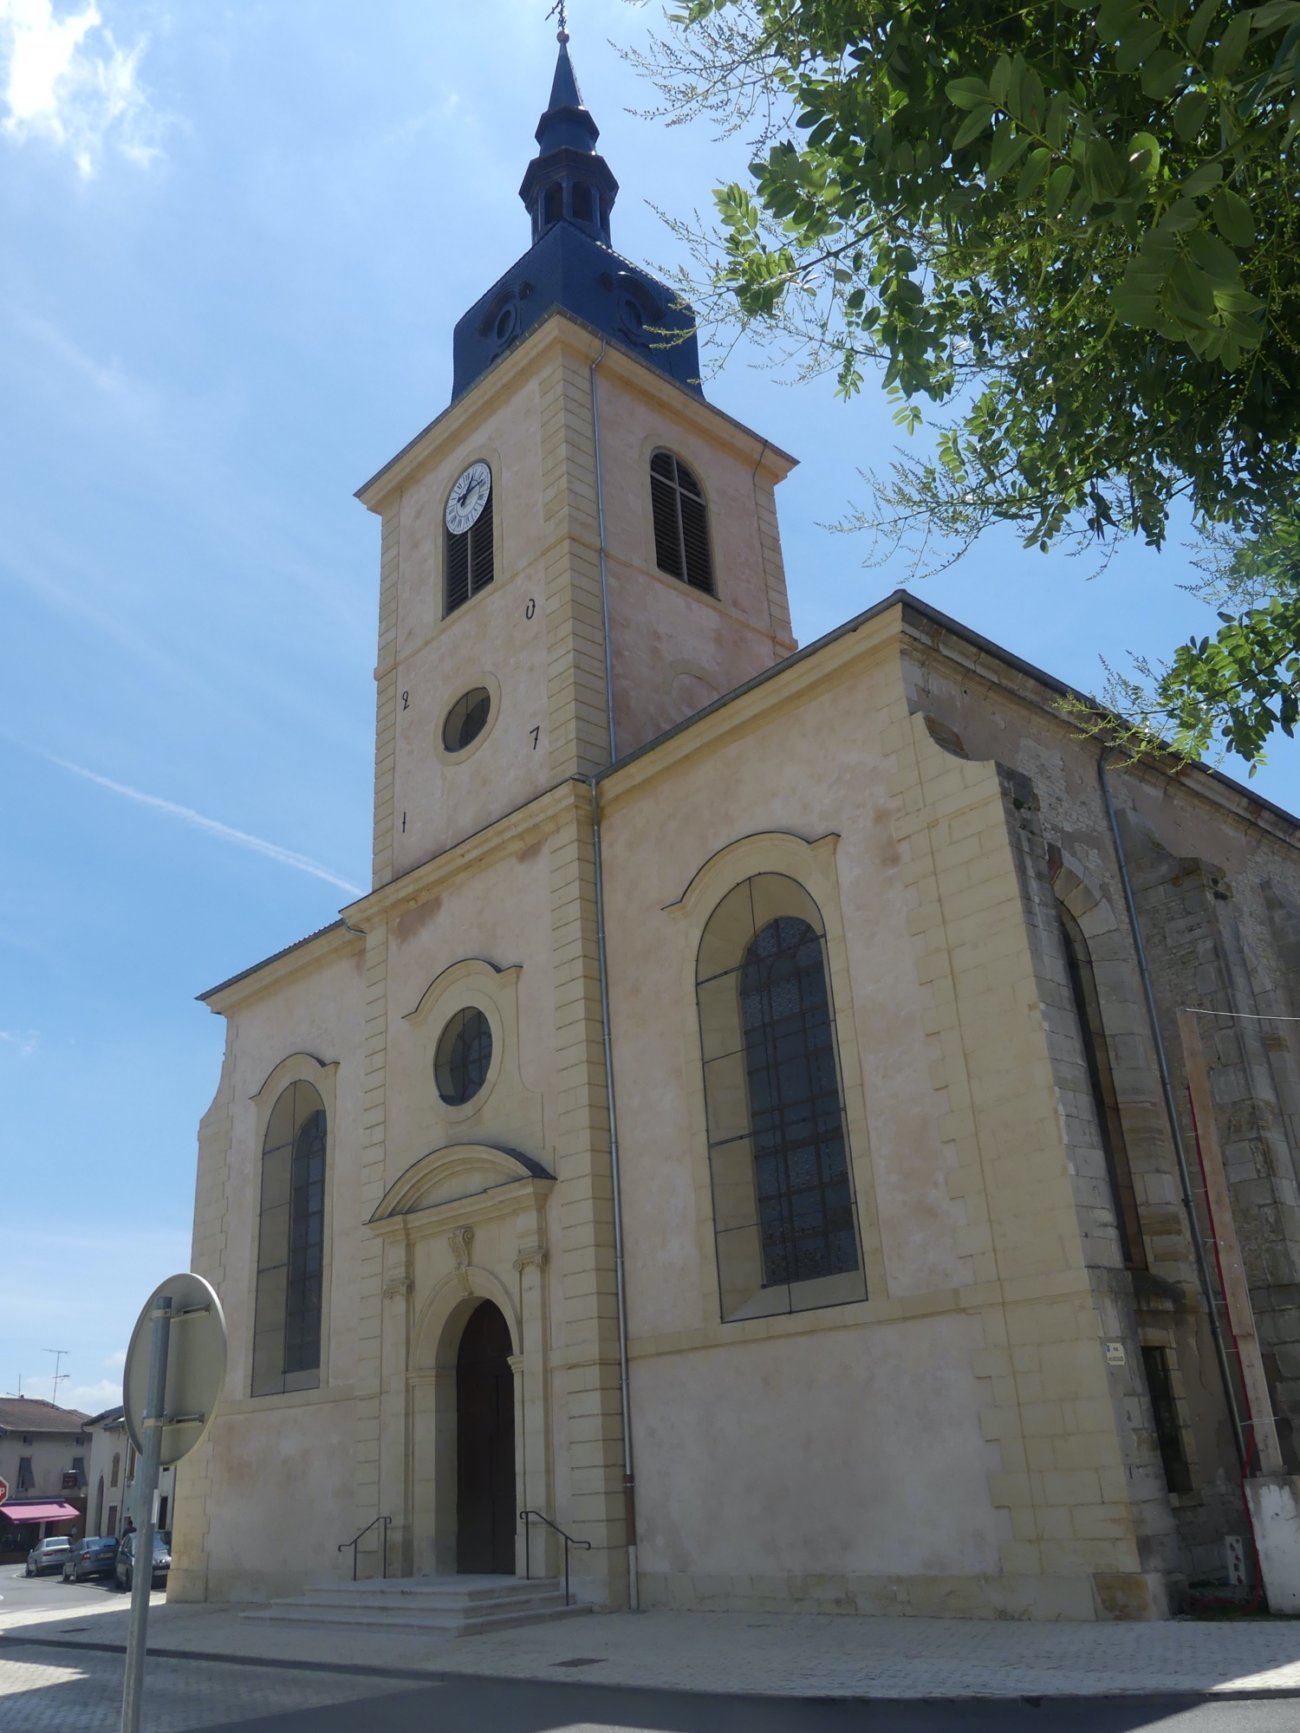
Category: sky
<point>234,239</point>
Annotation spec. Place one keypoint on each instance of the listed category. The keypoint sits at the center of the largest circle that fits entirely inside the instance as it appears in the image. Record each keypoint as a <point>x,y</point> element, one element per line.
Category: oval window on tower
<point>467,719</point>
<point>460,1065</point>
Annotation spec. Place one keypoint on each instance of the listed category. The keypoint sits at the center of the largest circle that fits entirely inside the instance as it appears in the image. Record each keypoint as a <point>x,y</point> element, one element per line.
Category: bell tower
<point>579,551</point>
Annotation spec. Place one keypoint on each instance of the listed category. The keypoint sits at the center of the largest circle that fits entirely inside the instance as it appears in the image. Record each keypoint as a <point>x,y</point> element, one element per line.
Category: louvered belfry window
<point>681,520</point>
<point>469,560</point>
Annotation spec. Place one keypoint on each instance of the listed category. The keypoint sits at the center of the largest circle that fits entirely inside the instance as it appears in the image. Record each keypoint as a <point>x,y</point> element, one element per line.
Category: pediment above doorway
<point>461,1180</point>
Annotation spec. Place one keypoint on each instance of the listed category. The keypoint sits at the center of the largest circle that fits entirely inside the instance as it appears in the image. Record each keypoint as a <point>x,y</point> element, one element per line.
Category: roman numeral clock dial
<point>468,496</point>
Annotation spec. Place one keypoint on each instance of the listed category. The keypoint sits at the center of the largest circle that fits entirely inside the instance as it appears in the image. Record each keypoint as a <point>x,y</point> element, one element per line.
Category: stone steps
<point>450,1606</point>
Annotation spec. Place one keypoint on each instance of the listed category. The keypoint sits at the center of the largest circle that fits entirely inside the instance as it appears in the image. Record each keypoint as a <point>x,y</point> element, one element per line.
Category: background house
<point>111,1476</point>
<point>43,1451</point>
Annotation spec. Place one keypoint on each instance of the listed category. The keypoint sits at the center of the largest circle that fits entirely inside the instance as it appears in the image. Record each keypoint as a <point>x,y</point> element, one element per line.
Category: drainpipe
<point>1171,1113</point>
<point>629,1477</point>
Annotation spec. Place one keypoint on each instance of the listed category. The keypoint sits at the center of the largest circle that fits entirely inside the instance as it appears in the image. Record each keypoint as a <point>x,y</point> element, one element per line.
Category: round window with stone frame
<point>463,1056</point>
<point>467,719</point>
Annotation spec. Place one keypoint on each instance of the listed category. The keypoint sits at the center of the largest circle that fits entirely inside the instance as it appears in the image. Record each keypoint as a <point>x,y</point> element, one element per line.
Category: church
<point>750,1125</point>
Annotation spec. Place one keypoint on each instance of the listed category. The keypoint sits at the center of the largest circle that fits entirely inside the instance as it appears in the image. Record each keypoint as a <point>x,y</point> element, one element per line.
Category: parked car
<point>124,1562</point>
<point>48,1554</point>
<point>92,1557</point>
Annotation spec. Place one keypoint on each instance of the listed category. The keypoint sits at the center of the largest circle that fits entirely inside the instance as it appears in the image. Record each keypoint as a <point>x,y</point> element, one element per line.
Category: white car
<point>48,1555</point>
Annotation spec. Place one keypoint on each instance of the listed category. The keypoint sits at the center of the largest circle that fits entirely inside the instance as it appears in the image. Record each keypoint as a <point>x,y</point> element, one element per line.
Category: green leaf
<point>1144,155</point>
<point>973,125</point>
<point>1137,42</point>
<point>1033,174</point>
<point>1227,56</point>
<point>1008,148</point>
<point>1212,256</point>
<point>1201,179</point>
<point>1232,217</point>
<point>1059,187</point>
<point>969,93</point>
<point>1276,15</point>
<point>1163,73</point>
<point>1232,298</point>
<point>1202,18</point>
<point>1189,114</point>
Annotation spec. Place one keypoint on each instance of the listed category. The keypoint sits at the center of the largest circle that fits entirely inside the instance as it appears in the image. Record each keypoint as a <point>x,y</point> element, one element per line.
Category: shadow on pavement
<point>459,1704</point>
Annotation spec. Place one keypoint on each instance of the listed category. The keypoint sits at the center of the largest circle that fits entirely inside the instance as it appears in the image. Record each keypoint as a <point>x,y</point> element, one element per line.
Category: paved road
<point>50,1690</point>
<point>44,1593</point>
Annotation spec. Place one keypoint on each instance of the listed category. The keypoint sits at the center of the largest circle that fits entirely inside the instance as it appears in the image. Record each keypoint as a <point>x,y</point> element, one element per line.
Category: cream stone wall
<point>675,649</point>
<point>483,941</point>
<point>967,1212</point>
<point>843,1456</point>
<point>496,639</point>
<point>255,1511</point>
<point>1206,862</point>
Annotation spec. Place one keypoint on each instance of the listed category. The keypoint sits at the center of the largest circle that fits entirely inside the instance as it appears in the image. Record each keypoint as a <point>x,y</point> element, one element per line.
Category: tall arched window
<point>785,1218</point>
<point>1101,1083</point>
<point>291,1245</point>
<point>681,522</point>
<point>469,560</point>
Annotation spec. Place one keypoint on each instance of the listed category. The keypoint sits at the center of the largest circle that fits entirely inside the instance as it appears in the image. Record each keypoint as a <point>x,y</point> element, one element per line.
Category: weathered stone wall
<point>1207,863</point>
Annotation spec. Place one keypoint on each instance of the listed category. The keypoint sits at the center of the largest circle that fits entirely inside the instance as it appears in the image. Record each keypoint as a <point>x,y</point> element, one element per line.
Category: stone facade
<point>1004,1398</point>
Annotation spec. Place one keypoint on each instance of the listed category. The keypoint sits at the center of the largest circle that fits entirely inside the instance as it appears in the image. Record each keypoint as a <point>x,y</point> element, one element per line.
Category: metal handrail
<point>568,1539</point>
<point>365,1531</point>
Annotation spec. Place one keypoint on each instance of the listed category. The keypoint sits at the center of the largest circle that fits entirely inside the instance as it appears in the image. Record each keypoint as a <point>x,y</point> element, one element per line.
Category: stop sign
<point>4,1489</point>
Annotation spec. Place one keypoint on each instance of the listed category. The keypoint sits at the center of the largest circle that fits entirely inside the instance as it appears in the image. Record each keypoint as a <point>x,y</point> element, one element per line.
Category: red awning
<point>52,1511</point>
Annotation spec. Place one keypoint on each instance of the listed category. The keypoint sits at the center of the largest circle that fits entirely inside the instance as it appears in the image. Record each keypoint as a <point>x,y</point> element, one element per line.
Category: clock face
<point>468,496</point>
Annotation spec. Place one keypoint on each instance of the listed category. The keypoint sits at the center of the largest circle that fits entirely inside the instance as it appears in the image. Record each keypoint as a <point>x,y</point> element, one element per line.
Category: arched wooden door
<point>486,1515</point>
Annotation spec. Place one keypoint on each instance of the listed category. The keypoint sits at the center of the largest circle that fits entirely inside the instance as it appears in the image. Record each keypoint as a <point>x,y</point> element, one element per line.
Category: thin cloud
<point>91,1398</point>
<point>25,1040</point>
<point>66,80</point>
<point>214,827</point>
<point>110,378</point>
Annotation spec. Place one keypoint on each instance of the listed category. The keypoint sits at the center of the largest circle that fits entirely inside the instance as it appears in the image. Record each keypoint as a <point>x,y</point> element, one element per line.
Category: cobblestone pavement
<point>734,1652</point>
<point>60,1691</point>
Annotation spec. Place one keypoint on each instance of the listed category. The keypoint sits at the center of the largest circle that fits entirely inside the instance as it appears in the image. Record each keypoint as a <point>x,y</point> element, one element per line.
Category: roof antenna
<point>60,1354</point>
<point>560,12</point>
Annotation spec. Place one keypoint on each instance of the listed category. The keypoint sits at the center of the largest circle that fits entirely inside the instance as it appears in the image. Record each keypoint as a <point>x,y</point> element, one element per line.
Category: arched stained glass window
<point>805,1209</point>
<point>1101,1082</point>
<point>291,1245</point>
<point>785,1218</point>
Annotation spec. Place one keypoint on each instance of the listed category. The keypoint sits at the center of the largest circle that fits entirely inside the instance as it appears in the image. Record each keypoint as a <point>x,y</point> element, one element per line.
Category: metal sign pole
<point>146,1498</point>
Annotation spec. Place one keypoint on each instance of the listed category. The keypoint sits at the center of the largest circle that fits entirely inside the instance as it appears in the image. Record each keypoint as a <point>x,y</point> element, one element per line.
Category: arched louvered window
<point>1101,1082</point>
<point>291,1245</point>
<point>469,558</point>
<point>681,523</point>
<point>785,1218</point>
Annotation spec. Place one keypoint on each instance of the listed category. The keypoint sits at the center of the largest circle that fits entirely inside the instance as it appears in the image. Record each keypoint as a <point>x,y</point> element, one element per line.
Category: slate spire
<point>570,265</point>
<point>567,181</point>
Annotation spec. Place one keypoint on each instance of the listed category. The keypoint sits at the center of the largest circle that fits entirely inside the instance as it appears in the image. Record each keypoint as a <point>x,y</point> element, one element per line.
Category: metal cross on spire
<point>560,12</point>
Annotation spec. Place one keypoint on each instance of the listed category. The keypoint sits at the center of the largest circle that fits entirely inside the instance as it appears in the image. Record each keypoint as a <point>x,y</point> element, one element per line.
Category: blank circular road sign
<point>196,1365</point>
